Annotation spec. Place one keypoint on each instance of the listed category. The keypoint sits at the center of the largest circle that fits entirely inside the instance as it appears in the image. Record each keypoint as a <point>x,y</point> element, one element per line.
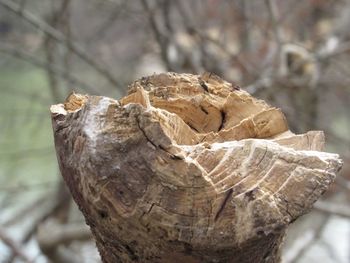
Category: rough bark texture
<point>187,169</point>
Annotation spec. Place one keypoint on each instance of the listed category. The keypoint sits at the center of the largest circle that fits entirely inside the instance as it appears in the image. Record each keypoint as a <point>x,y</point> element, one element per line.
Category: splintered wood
<point>188,168</point>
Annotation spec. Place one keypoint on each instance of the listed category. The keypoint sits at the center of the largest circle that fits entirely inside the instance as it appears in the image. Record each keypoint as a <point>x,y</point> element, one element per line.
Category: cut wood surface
<point>188,168</point>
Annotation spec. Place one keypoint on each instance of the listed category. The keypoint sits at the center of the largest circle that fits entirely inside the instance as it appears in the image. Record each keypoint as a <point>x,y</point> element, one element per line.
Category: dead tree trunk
<point>187,169</point>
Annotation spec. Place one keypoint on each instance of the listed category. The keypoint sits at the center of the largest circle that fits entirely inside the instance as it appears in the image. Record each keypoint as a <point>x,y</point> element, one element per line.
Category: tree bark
<point>187,168</point>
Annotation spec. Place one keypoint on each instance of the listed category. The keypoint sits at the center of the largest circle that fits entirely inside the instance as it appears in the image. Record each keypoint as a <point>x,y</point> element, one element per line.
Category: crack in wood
<point>193,128</point>
<point>172,156</point>
<point>203,85</point>
<point>180,209</point>
<point>263,157</point>
<point>228,195</point>
<point>204,110</point>
<point>223,120</point>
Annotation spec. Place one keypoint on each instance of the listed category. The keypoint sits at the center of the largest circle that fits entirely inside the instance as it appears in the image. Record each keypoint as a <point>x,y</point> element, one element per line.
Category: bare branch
<point>341,49</point>
<point>4,48</point>
<point>29,187</point>
<point>109,22</point>
<point>59,37</point>
<point>247,67</point>
<point>46,208</point>
<point>161,39</point>
<point>293,255</point>
<point>50,48</point>
<point>259,84</point>
<point>342,182</point>
<point>246,38</point>
<point>273,11</point>
<point>52,234</point>
<point>332,208</point>
<point>16,249</point>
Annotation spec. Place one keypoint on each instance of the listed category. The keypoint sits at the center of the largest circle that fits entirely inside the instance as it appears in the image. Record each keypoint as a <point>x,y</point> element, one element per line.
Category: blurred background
<point>293,54</point>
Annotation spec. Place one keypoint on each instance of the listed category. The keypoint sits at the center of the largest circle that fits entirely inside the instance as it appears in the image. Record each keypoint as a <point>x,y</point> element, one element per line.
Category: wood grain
<point>188,168</point>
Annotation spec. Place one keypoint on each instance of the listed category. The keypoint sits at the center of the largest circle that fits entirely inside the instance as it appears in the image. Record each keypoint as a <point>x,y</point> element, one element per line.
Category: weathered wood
<point>187,169</point>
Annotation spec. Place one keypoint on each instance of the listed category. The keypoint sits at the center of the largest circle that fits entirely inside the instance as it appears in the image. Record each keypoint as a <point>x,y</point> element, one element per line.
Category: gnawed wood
<point>188,168</point>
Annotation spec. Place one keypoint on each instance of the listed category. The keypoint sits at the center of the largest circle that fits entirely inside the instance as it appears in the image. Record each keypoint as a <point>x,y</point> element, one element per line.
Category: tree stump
<point>187,168</point>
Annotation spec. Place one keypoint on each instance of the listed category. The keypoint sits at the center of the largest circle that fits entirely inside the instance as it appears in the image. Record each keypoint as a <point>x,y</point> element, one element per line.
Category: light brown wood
<point>188,168</point>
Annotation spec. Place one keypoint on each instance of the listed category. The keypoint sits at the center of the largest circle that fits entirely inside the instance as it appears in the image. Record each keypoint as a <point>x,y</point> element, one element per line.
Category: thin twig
<point>161,39</point>
<point>274,15</point>
<point>51,234</point>
<point>294,255</point>
<point>42,212</point>
<point>4,48</point>
<point>59,37</point>
<point>191,28</point>
<point>342,182</point>
<point>332,208</point>
<point>29,187</point>
<point>16,249</point>
<point>50,48</point>
<point>41,100</point>
<point>247,67</point>
<point>246,39</point>
<point>341,49</point>
<point>273,11</point>
<point>108,23</point>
